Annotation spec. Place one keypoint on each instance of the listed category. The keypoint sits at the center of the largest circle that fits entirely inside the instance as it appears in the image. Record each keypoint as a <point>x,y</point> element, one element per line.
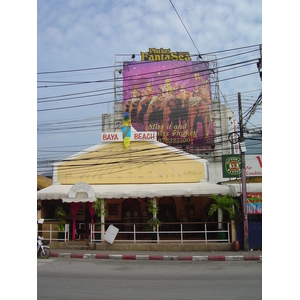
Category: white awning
<point>135,191</point>
<point>236,188</point>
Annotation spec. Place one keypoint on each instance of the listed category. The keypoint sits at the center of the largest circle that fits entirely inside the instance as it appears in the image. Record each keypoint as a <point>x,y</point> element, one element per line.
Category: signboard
<point>253,165</point>
<point>235,137</point>
<point>126,130</point>
<point>111,234</point>
<point>172,98</point>
<point>164,54</point>
<point>135,136</point>
<point>254,203</point>
<point>232,165</point>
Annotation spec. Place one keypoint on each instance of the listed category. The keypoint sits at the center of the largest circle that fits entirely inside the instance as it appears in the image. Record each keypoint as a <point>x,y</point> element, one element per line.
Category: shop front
<point>128,180</point>
<point>254,214</point>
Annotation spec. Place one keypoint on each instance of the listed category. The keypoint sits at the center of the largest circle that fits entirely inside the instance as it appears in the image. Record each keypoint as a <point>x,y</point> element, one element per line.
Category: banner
<point>254,203</point>
<point>172,98</point>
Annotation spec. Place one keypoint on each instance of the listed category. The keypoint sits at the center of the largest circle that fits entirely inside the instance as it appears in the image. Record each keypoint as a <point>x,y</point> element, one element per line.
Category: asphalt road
<point>182,280</point>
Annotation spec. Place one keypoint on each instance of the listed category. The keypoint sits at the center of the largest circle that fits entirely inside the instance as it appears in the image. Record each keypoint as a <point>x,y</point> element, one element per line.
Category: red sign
<point>254,203</point>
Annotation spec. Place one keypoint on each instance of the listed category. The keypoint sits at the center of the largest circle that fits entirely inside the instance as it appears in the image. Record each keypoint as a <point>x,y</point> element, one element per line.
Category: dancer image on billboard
<point>171,98</point>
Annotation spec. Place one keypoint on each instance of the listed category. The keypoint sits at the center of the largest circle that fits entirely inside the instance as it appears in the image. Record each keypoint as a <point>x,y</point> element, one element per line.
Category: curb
<point>158,257</point>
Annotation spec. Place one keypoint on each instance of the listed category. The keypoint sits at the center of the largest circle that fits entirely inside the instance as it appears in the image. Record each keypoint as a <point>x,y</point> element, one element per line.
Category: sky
<point>93,35</point>
<point>40,36</point>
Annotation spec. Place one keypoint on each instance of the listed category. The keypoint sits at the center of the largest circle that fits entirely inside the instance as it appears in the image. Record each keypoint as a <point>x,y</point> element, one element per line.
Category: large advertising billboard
<point>172,98</point>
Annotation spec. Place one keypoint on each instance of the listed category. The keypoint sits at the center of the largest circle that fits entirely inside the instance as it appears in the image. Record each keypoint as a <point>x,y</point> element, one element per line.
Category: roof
<point>43,182</point>
<point>146,169</point>
<point>142,163</point>
<point>235,189</point>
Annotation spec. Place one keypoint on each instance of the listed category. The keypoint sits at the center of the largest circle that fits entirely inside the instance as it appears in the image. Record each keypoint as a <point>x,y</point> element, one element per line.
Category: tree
<point>223,204</point>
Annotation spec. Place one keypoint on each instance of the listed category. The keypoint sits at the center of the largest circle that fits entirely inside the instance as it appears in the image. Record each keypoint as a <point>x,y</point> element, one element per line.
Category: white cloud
<point>89,33</point>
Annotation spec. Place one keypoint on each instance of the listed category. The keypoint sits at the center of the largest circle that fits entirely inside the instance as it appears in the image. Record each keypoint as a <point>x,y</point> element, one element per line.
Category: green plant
<point>60,227</point>
<point>223,204</point>
<point>61,214</point>
<point>97,227</point>
<point>101,213</point>
<point>153,209</point>
<point>99,207</point>
<point>153,222</point>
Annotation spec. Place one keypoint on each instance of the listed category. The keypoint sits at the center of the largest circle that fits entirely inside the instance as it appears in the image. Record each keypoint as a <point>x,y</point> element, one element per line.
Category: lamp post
<point>244,196</point>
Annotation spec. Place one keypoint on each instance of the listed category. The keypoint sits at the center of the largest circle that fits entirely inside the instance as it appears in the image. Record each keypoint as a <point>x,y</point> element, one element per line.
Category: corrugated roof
<point>43,182</point>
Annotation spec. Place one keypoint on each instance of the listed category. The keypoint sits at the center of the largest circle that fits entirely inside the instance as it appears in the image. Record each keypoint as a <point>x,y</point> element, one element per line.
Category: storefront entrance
<point>167,212</point>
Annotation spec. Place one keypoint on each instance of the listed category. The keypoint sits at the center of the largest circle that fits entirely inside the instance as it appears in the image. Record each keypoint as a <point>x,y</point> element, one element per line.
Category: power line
<point>104,102</point>
<point>185,28</point>
<point>137,54</point>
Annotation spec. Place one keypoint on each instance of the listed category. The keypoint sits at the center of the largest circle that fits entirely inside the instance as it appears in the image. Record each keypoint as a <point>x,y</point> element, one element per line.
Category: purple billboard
<point>172,98</point>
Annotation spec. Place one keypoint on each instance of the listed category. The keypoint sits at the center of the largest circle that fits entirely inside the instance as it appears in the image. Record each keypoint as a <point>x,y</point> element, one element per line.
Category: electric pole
<point>244,196</point>
<point>259,64</point>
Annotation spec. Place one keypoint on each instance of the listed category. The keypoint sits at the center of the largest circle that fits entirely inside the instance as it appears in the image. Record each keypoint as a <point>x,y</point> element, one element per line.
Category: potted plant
<point>101,213</point>
<point>223,204</point>
<point>61,214</point>
<point>154,221</point>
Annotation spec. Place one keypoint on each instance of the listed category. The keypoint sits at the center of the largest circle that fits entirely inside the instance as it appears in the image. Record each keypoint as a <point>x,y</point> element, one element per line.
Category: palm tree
<point>223,204</point>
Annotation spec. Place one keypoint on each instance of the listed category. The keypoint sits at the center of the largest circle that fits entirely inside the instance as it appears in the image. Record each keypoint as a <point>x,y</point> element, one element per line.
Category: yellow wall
<point>142,162</point>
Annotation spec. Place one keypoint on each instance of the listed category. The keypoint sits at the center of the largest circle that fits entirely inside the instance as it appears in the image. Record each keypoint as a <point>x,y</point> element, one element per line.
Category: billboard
<point>172,98</point>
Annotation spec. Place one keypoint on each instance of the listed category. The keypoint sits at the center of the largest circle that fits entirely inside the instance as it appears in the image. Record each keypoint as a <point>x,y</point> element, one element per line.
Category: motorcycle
<point>42,250</point>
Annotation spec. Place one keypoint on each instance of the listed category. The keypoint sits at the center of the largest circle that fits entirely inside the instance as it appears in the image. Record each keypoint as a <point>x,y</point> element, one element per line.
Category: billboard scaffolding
<point>177,99</point>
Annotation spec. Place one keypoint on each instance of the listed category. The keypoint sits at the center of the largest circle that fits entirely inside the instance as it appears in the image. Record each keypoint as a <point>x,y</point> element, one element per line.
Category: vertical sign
<point>126,130</point>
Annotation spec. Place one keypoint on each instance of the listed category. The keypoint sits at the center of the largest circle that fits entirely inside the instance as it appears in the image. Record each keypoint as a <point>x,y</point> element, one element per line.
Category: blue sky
<point>45,35</point>
<point>88,34</point>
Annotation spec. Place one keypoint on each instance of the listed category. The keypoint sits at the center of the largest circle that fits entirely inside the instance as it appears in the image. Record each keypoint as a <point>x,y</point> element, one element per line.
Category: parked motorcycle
<point>42,250</point>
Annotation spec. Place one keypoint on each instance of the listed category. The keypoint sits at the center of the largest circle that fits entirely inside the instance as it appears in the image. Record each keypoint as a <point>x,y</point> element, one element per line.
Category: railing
<point>55,235</point>
<point>184,232</point>
<point>168,232</point>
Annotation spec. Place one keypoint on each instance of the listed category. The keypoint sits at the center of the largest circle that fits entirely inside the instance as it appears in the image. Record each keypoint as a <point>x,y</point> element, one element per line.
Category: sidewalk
<point>159,255</point>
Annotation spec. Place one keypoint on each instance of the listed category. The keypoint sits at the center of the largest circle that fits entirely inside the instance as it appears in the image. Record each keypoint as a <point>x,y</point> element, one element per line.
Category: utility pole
<point>259,64</point>
<point>244,196</point>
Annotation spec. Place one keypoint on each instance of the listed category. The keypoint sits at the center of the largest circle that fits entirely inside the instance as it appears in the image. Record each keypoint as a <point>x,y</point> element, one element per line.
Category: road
<point>182,280</point>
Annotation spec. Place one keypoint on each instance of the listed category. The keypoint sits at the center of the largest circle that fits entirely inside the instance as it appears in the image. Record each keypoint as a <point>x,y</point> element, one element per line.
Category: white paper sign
<point>111,234</point>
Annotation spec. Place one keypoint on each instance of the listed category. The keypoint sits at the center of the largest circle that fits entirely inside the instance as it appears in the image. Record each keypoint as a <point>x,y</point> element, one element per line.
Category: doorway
<point>167,212</point>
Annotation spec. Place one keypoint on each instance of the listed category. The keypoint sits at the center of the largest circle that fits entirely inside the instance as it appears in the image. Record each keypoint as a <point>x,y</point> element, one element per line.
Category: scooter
<point>42,250</point>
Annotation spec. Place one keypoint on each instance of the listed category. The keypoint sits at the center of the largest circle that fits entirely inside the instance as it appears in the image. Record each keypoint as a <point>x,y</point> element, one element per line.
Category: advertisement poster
<point>254,203</point>
<point>172,98</point>
<point>232,166</point>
